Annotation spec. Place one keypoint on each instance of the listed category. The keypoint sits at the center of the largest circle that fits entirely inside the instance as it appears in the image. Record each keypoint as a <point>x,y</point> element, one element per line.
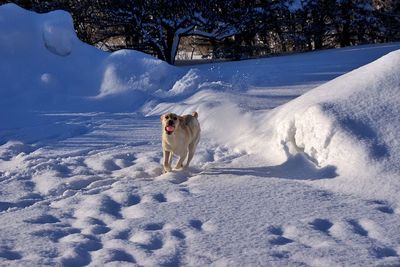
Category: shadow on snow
<point>296,167</point>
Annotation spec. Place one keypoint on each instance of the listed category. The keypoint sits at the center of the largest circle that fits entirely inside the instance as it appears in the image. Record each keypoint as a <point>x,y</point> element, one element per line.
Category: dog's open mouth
<point>170,129</point>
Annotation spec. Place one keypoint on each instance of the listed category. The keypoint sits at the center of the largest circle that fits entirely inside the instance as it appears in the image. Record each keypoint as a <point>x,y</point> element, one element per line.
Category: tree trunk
<point>318,42</point>
<point>173,39</point>
<point>345,36</point>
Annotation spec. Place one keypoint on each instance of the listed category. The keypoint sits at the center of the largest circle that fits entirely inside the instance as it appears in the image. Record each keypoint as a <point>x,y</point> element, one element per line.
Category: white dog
<point>180,136</point>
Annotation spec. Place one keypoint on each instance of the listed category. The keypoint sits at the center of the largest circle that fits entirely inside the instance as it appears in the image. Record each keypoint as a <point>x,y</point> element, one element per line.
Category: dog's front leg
<point>179,164</point>
<point>167,161</point>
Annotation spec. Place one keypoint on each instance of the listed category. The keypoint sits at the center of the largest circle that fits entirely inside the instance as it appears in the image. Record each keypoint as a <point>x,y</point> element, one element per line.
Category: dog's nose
<point>170,122</point>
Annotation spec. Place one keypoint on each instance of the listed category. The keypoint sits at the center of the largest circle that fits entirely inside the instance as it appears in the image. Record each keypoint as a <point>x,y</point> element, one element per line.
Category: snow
<point>298,164</point>
<point>352,120</point>
<point>126,71</point>
<point>58,39</point>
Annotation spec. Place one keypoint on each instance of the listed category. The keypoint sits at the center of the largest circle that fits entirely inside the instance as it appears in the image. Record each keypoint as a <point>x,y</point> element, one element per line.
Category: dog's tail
<point>195,114</point>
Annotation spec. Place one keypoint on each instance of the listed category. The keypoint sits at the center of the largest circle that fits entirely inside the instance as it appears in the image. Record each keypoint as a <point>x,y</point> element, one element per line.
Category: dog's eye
<point>166,117</point>
<point>174,118</point>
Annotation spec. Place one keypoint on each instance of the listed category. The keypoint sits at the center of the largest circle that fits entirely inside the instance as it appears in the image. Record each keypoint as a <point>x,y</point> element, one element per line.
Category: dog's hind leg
<point>167,161</point>
<point>192,149</point>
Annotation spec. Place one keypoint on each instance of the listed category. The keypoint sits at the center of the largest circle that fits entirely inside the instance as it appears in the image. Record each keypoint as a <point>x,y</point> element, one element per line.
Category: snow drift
<point>352,123</point>
<point>44,66</point>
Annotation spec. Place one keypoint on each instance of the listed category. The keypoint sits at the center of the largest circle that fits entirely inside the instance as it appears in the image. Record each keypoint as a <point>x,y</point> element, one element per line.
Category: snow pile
<point>44,66</point>
<point>351,123</point>
<point>126,70</point>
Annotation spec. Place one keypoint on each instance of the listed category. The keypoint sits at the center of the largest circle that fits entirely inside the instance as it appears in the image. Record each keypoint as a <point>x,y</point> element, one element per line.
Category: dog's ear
<point>162,117</point>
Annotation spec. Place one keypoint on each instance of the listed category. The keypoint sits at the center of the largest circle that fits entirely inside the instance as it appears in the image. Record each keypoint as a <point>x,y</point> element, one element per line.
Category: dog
<point>180,136</point>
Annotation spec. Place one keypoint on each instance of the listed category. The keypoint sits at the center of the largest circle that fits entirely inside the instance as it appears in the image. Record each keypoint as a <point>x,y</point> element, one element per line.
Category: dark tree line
<point>233,28</point>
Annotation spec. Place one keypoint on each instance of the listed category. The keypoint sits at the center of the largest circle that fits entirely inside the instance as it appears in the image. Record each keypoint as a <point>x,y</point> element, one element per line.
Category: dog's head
<point>170,122</point>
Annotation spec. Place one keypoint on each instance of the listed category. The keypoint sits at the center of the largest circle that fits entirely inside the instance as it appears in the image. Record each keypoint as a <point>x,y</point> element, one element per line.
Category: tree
<point>388,13</point>
<point>163,23</point>
<point>253,27</point>
<point>355,21</point>
<point>317,22</point>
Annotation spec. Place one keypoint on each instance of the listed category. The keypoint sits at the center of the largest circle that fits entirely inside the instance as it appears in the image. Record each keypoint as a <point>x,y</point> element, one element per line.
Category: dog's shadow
<point>297,167</point>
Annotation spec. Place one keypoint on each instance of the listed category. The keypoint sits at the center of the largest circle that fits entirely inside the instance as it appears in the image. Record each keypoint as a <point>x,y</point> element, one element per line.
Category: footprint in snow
<point>200,226</point>
<point>21,204</point>
<point>148,240</point>
<point>382,206</point>
<point>196,224</point>
<point>99,229</point>
<point>167,197</point>
<point>43,219</point>
<point>322,225</point>
<point>9,254</point>
<point>124,160</point>
<point>277,237</point>
<point>357,228</point>
<point>383,252</point>
<point>160,197</point>
<point>385,209</point>
<point>55,234</point>
<point>116,255</point>
<point>153,226</point>
<point>178,234</point>
<point>123,234</point>
<point>132,200</point>
<point>78,249</point>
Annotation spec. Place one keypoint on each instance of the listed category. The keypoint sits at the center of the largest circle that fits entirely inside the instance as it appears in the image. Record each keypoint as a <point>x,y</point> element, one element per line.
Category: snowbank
<point>355,114</point>
<point>351,123</point>
<point>44,66</point>
<point>127,70</point>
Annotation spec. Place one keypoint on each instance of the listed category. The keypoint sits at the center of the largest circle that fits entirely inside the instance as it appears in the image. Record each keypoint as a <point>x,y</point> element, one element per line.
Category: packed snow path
<point>99,198</point>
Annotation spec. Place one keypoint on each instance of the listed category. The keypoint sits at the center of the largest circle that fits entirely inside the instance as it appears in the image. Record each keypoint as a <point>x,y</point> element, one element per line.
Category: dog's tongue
<point>170,128</point>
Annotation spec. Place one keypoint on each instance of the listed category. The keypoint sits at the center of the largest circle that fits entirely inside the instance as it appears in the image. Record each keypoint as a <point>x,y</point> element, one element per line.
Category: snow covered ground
<point>298,164</point>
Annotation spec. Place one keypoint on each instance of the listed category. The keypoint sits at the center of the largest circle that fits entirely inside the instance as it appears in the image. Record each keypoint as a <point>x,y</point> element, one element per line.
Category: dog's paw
<point>167,169</point>
<point>179,167</point>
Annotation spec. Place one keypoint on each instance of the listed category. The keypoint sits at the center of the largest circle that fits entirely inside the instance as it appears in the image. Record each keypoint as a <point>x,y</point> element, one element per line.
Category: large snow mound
<point>44,66</point>
<point>43,62</point>
<point>127,70</point>
<point>355,114</point>
<point>351,122</point>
